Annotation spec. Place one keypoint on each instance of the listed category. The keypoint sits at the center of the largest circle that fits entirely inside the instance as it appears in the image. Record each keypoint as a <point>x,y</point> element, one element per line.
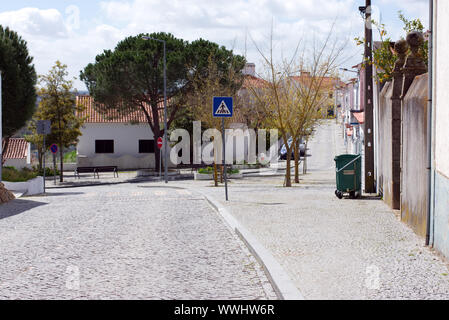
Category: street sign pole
<point>54,167</point>
<point>160,165</point>
<point>54,150</point>
<point>224,158</point>
<point>222,107</point>
<point>43,156</point>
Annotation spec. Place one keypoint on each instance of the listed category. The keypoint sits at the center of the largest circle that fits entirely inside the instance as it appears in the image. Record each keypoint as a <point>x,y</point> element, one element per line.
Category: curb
<point>280,281</point>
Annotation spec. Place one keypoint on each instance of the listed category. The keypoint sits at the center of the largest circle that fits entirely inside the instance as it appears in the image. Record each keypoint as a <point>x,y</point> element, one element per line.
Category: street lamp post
<point>165,108</point>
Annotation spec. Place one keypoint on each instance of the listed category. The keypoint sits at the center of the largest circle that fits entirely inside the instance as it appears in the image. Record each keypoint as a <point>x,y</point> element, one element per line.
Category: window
<point>104,146</point>
<point>146,146</point>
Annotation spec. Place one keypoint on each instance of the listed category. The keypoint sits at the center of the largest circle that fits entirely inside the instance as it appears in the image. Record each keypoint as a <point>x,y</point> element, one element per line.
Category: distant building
<point>18,154</point>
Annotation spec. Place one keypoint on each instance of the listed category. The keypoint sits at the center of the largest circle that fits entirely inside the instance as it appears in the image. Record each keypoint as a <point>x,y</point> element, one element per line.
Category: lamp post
<point>165,108</point>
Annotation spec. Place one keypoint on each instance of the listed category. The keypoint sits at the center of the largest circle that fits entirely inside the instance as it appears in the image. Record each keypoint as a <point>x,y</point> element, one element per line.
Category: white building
<point>124,141</point>
<point>440,130</point>
<point>18,154</point>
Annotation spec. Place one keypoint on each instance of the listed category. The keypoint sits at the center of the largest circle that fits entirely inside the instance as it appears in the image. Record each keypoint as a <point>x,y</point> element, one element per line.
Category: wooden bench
<point>96,171</point>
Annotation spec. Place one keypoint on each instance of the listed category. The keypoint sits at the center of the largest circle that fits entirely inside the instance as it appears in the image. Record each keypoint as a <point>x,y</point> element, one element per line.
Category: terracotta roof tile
<point>17,148</point>
<point>254,82</point>
<point>94,116</point>
<point>328,82</point>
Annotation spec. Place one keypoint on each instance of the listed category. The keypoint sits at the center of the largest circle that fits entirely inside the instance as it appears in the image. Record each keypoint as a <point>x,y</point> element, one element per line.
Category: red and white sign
<point>159,143</point>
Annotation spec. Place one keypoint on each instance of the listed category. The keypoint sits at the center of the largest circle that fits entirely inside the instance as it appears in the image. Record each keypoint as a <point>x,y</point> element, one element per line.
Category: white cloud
<point>54,35</point>
<point>35,22</point>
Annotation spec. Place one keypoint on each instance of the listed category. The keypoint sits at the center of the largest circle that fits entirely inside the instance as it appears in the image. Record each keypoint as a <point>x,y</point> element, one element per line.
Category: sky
<point>74,32</point>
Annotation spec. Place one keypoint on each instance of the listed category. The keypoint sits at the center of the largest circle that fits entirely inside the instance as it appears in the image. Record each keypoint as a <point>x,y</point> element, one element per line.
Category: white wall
<point>126,145</point>
<point>17,163</point>
<point>441,85</point>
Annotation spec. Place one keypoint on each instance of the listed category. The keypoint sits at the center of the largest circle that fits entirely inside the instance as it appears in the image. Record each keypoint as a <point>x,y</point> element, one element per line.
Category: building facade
<point>440,132</point>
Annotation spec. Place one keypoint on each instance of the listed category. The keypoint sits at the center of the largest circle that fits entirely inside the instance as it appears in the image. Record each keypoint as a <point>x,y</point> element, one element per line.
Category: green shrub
<point>11,174</point>
<point>210,170</point>
<point>48,171</point>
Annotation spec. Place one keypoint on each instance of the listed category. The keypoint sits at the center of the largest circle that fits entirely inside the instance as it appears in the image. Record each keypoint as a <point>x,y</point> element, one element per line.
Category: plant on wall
<point>384,56</point>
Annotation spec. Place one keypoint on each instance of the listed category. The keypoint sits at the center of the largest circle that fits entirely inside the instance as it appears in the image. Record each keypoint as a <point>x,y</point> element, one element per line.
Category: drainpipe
<point>430,112</point>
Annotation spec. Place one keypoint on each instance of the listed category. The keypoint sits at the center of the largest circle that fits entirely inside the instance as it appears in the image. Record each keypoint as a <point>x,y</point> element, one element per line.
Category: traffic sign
<point>43,127</point>
<point>222,107</point>
<point>159,143</point>
<point>54,148</point>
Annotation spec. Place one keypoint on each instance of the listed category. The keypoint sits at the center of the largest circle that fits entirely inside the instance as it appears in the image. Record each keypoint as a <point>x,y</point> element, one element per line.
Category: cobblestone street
<point>127,241</point>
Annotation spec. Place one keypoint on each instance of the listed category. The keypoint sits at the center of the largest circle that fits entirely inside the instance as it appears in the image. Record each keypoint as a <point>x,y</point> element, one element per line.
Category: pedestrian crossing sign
<point>222,107</point>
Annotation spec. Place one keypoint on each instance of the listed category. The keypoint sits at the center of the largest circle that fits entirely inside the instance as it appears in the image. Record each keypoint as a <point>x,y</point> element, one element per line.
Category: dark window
<point>104,146</point>
<point>146,146</point>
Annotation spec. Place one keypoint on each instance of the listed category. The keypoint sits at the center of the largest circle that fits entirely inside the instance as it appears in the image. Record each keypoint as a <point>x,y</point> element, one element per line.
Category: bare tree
<point>294,104</point>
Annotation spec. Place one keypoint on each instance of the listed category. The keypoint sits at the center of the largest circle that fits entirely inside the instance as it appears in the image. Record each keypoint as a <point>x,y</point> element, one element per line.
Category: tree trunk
<point>40,157</point>
<point>304,166</point>
<point>61,161</point>
<point>5,149</point>
<point>296,152</point>
<point>215,174</point>
<point>288,178</point>
<point>157,157</point>
<point>157,151</point>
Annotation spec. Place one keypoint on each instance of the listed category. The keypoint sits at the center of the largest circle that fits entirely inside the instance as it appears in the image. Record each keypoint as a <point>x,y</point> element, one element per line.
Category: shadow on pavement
<point>18,206</point>
<point>57,194</point>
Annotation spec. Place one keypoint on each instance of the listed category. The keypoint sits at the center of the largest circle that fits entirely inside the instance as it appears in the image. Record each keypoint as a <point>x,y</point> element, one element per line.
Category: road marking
<point>160,193</point>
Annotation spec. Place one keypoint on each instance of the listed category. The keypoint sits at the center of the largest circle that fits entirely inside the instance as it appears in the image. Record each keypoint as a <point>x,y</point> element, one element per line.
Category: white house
<point>124,141</point>
<point>18,154</point>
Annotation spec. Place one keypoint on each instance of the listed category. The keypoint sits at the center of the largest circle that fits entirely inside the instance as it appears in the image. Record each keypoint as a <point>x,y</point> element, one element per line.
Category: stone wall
<point>414,191</point>
<point>385,140</point>
<point>403,135</point>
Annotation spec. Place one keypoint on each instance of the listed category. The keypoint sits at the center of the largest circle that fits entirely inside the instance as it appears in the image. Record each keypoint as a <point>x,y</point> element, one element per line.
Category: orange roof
<point>92,115</point>
<point>360,116</point>
<point>17,148</point>
<point>254,82</point>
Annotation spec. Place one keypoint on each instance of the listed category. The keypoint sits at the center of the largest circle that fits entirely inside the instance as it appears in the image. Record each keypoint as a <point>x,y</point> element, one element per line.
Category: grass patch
<point>70,157</point>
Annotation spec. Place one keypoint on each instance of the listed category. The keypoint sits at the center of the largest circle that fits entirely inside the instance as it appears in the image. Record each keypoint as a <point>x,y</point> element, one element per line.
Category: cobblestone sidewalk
<point>331,248</point>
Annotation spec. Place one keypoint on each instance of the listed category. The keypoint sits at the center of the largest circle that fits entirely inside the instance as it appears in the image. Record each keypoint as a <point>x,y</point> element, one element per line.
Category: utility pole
<point>1,128</point>
<point>369,118</point>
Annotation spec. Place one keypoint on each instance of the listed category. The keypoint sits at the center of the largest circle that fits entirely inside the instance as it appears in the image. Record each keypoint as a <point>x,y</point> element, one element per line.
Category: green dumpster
<point>349,175</point>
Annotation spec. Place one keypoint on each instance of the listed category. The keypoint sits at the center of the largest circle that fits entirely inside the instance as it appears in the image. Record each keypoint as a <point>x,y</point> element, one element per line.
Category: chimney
<point>250,69</point>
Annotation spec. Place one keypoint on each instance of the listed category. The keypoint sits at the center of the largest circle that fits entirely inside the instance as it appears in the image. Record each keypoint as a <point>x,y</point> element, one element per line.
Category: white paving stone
<point>331,248</point>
